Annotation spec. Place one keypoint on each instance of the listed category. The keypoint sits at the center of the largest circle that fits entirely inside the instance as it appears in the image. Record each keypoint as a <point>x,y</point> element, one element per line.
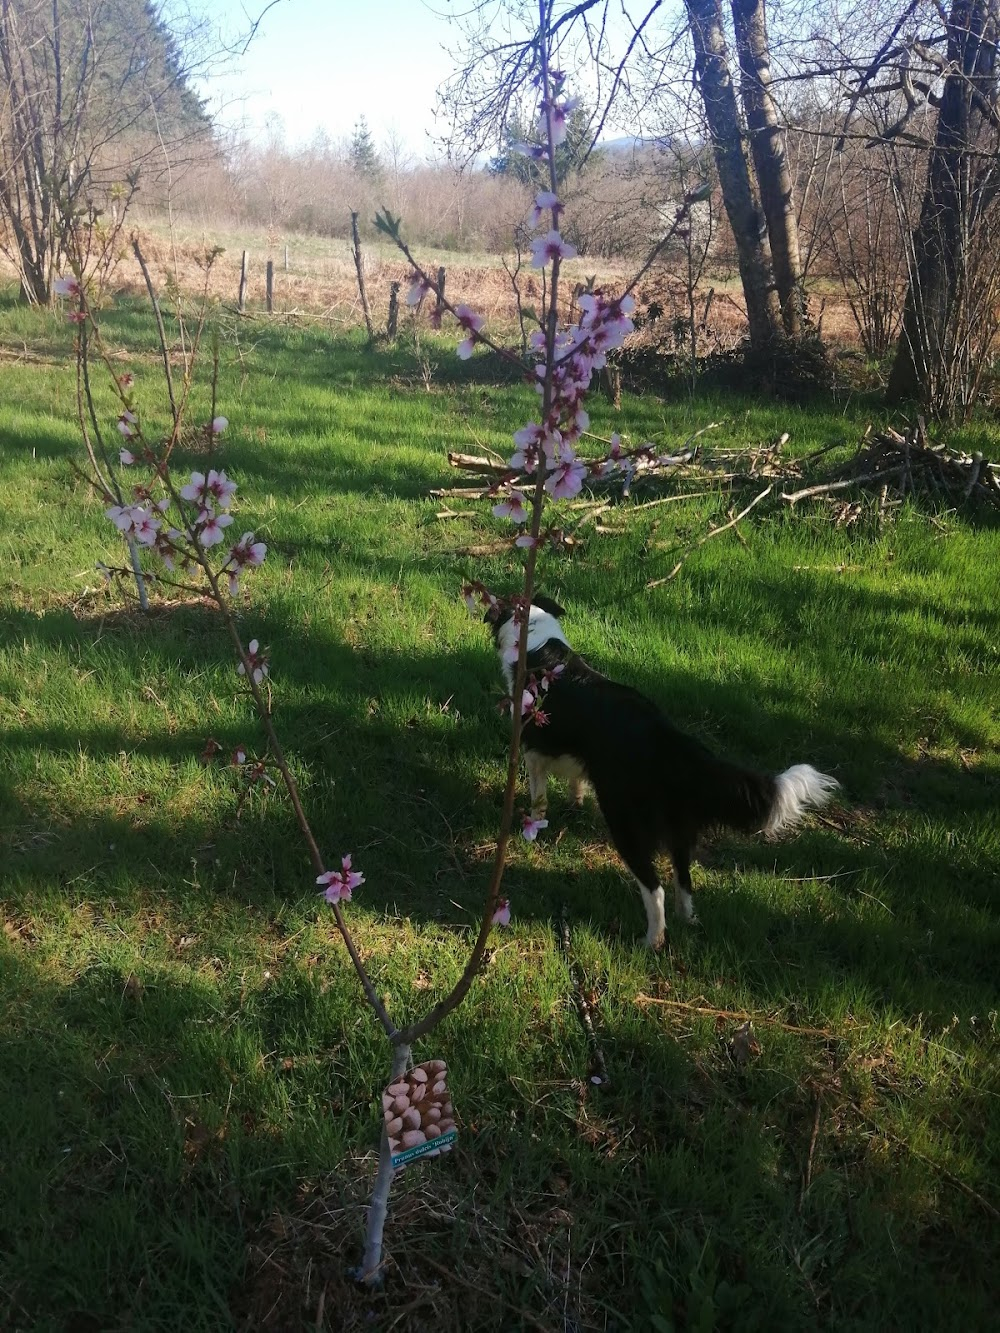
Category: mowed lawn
<point>189,1092</point>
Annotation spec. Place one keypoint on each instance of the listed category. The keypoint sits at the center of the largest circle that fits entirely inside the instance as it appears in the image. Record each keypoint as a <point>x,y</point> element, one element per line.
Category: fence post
<point>393,309</point>
<point>438,309</point>
<point>286,258</point>
<point>270,286</point>
<point>361,276</point>
<point>241,304</point>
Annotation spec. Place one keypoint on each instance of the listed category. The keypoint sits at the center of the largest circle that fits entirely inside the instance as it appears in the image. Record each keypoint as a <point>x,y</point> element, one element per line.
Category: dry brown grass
<point>320,281</point>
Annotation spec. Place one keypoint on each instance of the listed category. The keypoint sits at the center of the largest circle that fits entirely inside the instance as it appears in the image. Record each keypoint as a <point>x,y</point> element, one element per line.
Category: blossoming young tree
<point>185,526</point>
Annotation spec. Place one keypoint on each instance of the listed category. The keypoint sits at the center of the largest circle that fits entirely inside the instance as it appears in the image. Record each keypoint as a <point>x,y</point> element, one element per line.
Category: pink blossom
<point>165,548</point>
<point>528,150</point>
<point>512,652</point>
<point>527,701</point>
<point>247,552</point>
<point>419,287</point>
<point>146,527</point>
<point>218,484</point>
<point>121,517</point>
<point>126,457</point>
<point>68,286</point>
<point>127,423</point>
<point>134,521</point>
<point>218,425</point>
<point>501,917</point>
<point>560,114</point>
<point>259,664</point>
<point>125,381</point>
<point>340,883</point>
<point>239,757</point>
<point>528,440</point>
<point>566,480</point>
<point>513,508</point>
<point>76,317</point>
<point>210,527</point>
<point>196,488</point>
<point>545,249</point>
<point>216,488</point>
<point>530,828</point>
<point>613,461</point>
<point>543,201</point>
<point>526,540</point>
<point>472,323</point>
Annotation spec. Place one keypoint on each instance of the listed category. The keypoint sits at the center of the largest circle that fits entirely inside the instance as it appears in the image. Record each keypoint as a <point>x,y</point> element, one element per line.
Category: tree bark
<point>767,147</point>
<point>959,189</point>
<point>739,191</point>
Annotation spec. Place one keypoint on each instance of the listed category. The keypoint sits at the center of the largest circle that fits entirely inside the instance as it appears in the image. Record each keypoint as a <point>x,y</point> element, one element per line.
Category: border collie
<point>657,788</point>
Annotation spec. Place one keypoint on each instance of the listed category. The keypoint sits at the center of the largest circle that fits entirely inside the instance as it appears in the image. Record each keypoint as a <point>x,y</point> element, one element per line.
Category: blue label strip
<point>422,1149</point>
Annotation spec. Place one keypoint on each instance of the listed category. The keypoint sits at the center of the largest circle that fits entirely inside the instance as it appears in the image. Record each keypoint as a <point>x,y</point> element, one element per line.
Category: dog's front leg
<point>538,782</point>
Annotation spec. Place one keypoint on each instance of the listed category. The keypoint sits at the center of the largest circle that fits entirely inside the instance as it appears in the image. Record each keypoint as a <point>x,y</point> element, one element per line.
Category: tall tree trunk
<point>953,203</point>
<point>767,147</point>
<point>739,191</point>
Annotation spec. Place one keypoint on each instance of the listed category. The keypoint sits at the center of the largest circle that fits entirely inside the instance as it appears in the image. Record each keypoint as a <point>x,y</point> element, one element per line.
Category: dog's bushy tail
<point>761,802</point>
<point>798,789</point>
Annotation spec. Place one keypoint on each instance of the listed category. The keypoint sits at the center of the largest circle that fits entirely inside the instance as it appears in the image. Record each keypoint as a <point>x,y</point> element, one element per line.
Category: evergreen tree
<point>363,154</point>
<point>571,154</point>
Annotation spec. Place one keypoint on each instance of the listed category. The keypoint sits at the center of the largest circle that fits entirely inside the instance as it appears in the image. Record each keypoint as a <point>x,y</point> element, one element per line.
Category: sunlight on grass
<point>190,1050</point>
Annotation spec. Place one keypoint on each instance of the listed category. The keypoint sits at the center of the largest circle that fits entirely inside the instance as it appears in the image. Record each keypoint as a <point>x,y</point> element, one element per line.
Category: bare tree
<point>739,186</point>
<point>767,147</point>
<point>949,321</point>
<point>77,78</point>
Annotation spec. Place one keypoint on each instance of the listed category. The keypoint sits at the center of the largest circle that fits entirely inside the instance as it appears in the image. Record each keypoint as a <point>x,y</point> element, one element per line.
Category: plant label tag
<point>419,1117</point>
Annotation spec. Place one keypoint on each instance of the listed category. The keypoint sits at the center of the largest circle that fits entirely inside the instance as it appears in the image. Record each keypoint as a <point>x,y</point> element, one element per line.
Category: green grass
<point>188,1107</point>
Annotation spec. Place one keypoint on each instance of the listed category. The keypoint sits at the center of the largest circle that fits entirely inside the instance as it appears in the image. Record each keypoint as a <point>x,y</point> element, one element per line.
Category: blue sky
<point>319,64</point>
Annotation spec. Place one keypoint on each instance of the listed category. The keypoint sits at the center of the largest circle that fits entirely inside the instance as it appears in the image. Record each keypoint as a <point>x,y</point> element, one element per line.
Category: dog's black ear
<point>547,604</point>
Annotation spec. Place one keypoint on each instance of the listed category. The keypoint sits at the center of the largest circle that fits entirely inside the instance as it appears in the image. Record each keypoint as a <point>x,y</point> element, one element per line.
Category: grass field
<point>188,1107</point>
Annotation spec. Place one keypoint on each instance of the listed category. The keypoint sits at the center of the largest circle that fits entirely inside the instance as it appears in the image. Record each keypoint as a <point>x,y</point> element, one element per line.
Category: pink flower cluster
<point>580,350</point>
<point>138,520</point>
<point>212,494</point>
<point>340,884</point>
<point>259,664</point>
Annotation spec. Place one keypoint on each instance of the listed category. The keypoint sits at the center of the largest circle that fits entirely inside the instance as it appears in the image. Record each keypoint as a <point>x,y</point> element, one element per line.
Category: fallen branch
<point>928,1161</point>
<point>599,1070</point>
<point>737,1015</point>
<point>715,532</point>
<point>475,463</point>
<point>826,488</point>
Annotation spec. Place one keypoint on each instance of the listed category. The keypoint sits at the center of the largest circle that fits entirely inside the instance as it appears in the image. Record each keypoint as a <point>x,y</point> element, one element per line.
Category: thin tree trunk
<point>767,147</point>
<point>739,191</point>
<point>942,240</point>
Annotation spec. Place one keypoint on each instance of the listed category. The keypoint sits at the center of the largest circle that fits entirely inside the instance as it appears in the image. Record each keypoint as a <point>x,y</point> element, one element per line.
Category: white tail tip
<point>800,788</point>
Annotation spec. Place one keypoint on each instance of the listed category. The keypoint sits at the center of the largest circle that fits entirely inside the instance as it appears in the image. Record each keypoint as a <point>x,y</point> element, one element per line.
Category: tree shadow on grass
<point>169,1145</point>
<point>414,792</point>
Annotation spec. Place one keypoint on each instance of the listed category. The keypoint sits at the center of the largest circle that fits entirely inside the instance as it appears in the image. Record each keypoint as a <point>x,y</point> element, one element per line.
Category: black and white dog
<point>658,789</point>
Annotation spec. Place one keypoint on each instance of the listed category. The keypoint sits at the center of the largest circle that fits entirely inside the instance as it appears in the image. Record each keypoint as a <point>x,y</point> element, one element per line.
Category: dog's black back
<point>636,759</point>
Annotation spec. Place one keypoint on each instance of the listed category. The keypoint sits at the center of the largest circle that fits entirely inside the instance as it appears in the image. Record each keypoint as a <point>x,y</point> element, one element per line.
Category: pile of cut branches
<point>897,465</point>
<point>642,468</point>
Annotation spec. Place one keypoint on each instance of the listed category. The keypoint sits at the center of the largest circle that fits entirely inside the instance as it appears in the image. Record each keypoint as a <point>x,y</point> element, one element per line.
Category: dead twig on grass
<point>943,1171</point>
<point>807,1173</point>
<point>706,537</point>
<point>599,1070</point>
<point>737,1015</point>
